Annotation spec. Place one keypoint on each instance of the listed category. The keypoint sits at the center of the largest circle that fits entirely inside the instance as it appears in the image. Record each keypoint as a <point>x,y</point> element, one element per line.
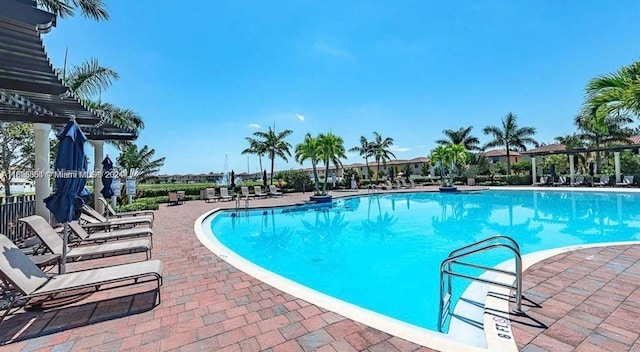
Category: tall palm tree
<point>510,136</point>
<point>331,151</point>
<point>139,163</point>
<point>94,9</point>
<point>89,78</point>
<point>613,128</point>
<point>380,150</point>
<point>617,92</point>
<point>365,149</point>
<point>461,136</point>
<point>309,149</point>
<point>274,145</point>
<point>257,148</point>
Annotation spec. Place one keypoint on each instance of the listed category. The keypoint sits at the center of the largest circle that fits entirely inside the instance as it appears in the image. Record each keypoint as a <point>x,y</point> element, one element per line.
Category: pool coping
<point>409,332</point>
<point>413,333</point>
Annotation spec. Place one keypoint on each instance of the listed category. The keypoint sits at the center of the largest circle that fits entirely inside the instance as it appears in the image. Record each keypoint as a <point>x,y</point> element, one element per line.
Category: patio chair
<point>112,212</point>
<point>273,191</point>
<point>578,181</point>
<point>257,190</point>
<point>224,194</point>
<point>104,236</point>
<point>54,243</point>
<point>33,283</point>
<point>245,192</point>
<point>173,198</point>
<point>133,220</point>
<point>181,196</point>
<point>209,194</point>
<point>627,181</point>
<point>604,181</point>
<point>562,181</point>
<point>543,181</point>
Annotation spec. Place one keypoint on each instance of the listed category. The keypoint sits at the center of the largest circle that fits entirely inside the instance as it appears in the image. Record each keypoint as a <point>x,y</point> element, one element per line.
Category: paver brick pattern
<point>585,300</point>
<point>206,305</point>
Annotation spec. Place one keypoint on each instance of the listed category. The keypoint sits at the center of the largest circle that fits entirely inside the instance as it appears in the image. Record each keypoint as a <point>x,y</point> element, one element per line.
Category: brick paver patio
<point>586,300</point>
<point>589,298</point>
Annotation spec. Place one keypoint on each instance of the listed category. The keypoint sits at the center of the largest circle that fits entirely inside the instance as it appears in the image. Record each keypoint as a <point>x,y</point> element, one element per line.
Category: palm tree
<point>573,142</point>
<point>380,150</point>
<point>89,78</point>
<point>447,157</point>
<point>615,93</point>
<point>274,145</point>
<point>365,149</point>
<point>309,149</point>
<point>139,163</point>
<point>510,136</point>
<point>94,9</point>
<point>461,136</point>
<point>256,147</point>
<point>331,149</point>
<point>598,133</point>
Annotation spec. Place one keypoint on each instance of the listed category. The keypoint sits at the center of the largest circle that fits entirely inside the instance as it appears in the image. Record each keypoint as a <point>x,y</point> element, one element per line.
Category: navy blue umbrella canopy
<point>107,178</point>
<point>66,203</point>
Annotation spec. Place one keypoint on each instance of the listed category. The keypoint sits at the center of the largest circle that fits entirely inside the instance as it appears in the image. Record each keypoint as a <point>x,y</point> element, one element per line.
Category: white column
<point>533,170</point>
<point>98,156</point>
<point>616,158</point>
<point>42,151</point>
<point>571,169</point>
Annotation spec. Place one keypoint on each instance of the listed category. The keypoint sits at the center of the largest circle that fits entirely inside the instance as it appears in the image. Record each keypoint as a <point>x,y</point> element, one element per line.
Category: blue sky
<point>206,74</point>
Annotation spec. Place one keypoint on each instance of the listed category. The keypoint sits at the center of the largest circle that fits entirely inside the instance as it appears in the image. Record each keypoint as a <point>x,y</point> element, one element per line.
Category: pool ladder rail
<point>246,205</point>
<point>492,243</point>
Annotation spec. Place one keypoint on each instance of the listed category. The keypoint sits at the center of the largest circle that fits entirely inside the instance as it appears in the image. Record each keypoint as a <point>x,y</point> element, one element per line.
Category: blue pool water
<point>383,252</point>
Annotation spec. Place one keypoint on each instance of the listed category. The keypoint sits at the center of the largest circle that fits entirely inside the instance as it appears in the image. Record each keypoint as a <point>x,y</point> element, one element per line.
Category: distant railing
<point>12,209</point>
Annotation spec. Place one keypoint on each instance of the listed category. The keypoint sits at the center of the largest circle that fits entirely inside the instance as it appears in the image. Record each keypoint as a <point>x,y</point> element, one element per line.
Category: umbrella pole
<point>65,240</point>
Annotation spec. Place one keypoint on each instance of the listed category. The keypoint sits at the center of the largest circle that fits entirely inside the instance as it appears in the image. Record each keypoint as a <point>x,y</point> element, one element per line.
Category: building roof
<point>30,89</point>
<point>546,148</point>
<point>501,152</point>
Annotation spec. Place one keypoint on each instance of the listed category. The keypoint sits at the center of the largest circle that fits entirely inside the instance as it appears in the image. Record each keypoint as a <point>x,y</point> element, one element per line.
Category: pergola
<point>32,92</point>
<point>559,149</point>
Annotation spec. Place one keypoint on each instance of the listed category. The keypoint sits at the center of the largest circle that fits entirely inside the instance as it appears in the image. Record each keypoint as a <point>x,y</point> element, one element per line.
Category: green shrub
<point>139,205</point>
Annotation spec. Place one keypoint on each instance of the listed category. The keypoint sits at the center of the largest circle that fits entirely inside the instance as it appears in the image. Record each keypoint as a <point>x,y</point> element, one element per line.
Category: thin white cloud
<point>254,125</point>
<point>322,47</point>
<point>395,148</point>
<point>300,117</point>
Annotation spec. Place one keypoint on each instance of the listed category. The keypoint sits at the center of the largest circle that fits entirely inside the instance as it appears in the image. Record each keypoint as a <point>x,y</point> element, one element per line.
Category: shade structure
<point>107,178</point>
<point>70,178</point>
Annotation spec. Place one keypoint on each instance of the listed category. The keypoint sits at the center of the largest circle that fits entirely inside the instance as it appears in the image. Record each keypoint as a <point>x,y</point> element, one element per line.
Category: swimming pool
<point>383,252</point>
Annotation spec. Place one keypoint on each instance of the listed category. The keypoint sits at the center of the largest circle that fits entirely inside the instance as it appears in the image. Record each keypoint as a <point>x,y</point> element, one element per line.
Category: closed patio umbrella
<point>107,180</point>
<point>70,178</point>
<point>264,178</point>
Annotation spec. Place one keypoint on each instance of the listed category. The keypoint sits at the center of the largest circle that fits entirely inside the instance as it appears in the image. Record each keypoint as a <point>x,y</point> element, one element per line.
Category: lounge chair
<point>112,212</point>
<point>401,183</point>
<point>257,190</point>
<point>413,184</point>
<point>604,181</point>
<point>173,198</point>
<point>543,181</point>
<point>578,181</point>
<point>54,243</point>
<point>627,181</point>
<point>133,220</point>
<point>273,191</point>
<point>104,236</point>
<point>209,194</point>
<point>562,181</point>
<point>182,195</point>
<point>224,194</point>
<point>33,283</point>
<point>245,192</point>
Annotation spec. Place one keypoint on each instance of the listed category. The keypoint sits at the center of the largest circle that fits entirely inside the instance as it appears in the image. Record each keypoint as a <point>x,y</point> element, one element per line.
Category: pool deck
<point>587,299</point>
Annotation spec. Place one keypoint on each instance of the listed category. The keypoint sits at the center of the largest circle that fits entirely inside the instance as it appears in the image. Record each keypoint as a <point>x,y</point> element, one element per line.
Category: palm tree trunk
<point>316,180</point>
<point>366,161</point>
<point>508,161</point>
<point>378,171</point>
<point>272,166</point>
<point>260,161</point>
<point>326,175</point>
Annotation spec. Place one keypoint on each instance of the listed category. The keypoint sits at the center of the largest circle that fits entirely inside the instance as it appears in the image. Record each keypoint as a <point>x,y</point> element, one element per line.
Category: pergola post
<point>98,155</point>
<point>616,158</point>
<point>533,170</point>
<point>42,150</point>
<point>571,168</point>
